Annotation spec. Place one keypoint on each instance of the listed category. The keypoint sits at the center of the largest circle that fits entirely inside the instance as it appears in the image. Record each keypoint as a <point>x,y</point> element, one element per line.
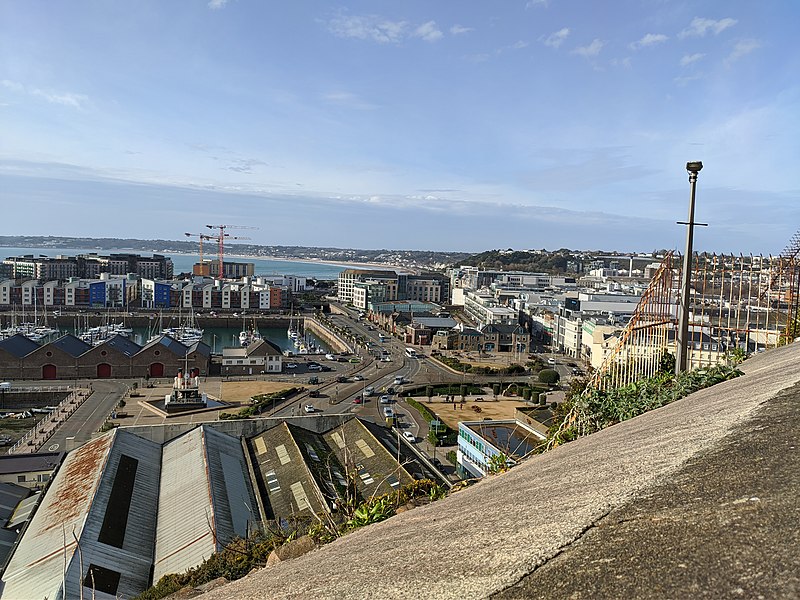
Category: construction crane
<point>221,240</point>
<point>201,237</point>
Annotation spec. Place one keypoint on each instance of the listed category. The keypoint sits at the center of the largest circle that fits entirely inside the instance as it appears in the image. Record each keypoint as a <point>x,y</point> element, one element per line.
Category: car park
<point>410,437</point>
<point>385,399</point>
<point>309,408</point>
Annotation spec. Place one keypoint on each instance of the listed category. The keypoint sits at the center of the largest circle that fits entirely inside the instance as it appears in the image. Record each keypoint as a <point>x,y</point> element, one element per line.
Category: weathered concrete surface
<point>639,503</point>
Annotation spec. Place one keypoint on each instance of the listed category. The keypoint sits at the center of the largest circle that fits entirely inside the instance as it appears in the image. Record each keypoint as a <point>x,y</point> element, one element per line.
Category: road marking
<point>53,448</point>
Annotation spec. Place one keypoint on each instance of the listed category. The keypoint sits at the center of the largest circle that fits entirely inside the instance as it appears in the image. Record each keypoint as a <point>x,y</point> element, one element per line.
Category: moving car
<point>388,412</point>
<point>369,391</point>
<point>385,399</point>
<point>410,437</point>
<point>358,378</point>
<point>314,367</point>
<point>309,408</point>
<point>357,400</point>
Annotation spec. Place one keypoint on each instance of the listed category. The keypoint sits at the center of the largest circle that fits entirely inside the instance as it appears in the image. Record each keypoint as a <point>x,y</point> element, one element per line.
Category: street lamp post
<point>683,325</point>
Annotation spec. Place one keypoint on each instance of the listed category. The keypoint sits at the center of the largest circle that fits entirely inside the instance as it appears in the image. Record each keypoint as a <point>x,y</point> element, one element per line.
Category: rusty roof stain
<point>78,482</point>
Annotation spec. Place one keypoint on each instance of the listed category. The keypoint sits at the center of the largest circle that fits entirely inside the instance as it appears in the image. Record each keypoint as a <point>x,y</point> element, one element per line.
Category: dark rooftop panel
<point>18,345</point>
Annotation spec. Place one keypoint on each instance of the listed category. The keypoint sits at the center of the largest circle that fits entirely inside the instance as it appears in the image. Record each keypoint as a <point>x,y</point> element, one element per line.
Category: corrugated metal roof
<point>71,345</point>
<point>78,502</point>
<point>18,345</point>
<point>205,494</point>
<point>123,345</point>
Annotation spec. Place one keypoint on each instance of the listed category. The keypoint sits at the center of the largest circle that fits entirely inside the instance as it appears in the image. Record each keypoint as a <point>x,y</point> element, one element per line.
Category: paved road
<point>90,416</point>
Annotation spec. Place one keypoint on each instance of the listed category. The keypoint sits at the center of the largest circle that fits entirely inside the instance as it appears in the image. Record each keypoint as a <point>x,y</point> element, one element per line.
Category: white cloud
<point>683,81</point>
<point>348,100</point>
<point>369,28</point>
<point>428,32</point>
<point>217,4</point>
<point>651,39</point>
<point>554,40</point>
<point>699,27</point>
<point>519,45</point>
<point>742,48</point>
<point>13,86</point>
<point>591,50</point>
<point>459,29</point>
<point>71,99</point>
<point>688,59</point>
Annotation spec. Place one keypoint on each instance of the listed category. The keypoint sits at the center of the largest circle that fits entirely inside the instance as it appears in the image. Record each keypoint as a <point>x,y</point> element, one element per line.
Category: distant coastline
<point>257,257</point>
<point>341,263</point>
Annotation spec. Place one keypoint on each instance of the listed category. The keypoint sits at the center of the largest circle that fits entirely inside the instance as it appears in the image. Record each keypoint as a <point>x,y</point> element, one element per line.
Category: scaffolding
<point>738,304</point>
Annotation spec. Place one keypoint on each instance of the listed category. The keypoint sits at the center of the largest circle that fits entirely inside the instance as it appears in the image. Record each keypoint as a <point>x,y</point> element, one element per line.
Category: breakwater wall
<point>326,335</point>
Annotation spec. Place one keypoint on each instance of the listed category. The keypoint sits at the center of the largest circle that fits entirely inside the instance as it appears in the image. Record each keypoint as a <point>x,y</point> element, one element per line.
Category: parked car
<point>357,400</point>
<point>291,365</point>
<point>313,380</point>
<point>410,437</point>
<point>309,408</point>
<point>314,394</point>
<point>314,367</point>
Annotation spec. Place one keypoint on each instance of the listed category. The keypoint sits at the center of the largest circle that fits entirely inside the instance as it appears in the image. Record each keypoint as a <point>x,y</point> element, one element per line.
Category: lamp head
<point>694,167</point>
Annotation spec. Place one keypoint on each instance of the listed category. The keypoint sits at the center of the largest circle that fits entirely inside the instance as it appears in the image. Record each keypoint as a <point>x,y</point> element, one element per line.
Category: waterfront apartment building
<point>88,266</point>
<point>349,277</point>
<point>362,288</point>
<point>130,291</point>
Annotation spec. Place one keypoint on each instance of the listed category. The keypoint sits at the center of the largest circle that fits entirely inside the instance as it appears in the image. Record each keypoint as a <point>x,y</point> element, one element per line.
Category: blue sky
<point>444,125</point>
